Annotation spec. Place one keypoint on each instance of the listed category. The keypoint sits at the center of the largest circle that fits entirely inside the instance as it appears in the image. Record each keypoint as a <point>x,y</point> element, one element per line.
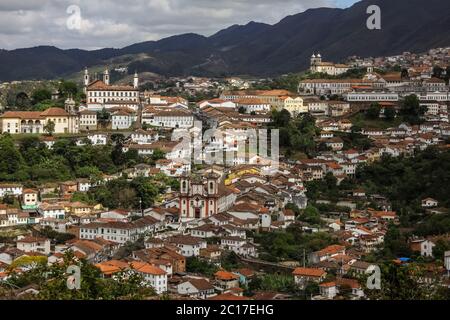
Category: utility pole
<point>140,207</point>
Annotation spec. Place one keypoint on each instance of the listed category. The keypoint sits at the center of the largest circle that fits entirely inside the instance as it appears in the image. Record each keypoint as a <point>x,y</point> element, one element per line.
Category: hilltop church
<point>101,94</point>
<point>332,69</point>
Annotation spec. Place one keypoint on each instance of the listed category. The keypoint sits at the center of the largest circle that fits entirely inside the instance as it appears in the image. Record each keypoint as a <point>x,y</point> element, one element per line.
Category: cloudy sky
<point>117,23</point>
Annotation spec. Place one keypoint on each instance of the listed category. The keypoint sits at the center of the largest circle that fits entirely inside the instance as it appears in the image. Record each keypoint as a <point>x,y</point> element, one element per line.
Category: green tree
<point>389,114</point>
<point>103,118</point>
<point>411,109</point>
<point>22,101</point>
<point>146,191</point>
<point>281,118</point>
<point>195,265</point>
<point>374,111</point>
<point>438,72</point>
<point>404,282</point>
<point>230,260</point>
<point>395,243</point>
<point>8,199</point>
<point>40,95</point>
<point>158,154</point>
<point>311,215</point>
<point>118,155</point>
<point>49,127</point>
<point>12,164</point>
<point>67,88</point>
<point>439,249</point>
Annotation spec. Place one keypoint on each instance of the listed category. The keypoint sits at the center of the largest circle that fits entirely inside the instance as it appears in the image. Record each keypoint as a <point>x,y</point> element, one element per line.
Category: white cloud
<point>117,23</point>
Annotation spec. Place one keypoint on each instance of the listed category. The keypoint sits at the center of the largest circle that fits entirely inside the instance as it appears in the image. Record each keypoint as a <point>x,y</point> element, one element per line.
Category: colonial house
<point>287,215</point>
<point>10,217</point>
<point>78,208</point>
<point>98,138</point>
<point>144,137</point>
<point>206,231</point>
<point>232,243</point>
<point>217,103</point>
<point>252,105</point>
<point>429,203</point>
<point>212,254</point>
<point>173,168</point>
<point>196,288</point>
<point>33,244</point>
<point>424,246</point>
<point>153,276</point>
<point>189,246</point>
<point>49,210</point>
<point>326,253</point>
<point>331,86</point>
<point>58,225</point>
<point>359,267</point>
<point>221,219</point>
<point>116,214</point>
<point>15,122</point>
<point>335,143</point>
<point>170,254</point>
<point>294,105</point>
<point>94,250</point>
<point>234,231</point>
<point>226,280</point>
<point>83,185</point>
<point>88,120</point>
<point>122,119</point>
<point>167,117</point>
<point>331,289</point>
<point>302,276</point>
<point>30,199</point>
<point>119,231</point>
<point>11,189</point>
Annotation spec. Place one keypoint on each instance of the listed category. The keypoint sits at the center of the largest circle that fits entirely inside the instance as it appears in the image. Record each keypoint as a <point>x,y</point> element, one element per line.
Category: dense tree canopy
<point>291,244</point>
<point>296,134</point>
<point>405,282</point>
<point>139,193</point>
<point>406,181</point>
<point>30,161</point>
<point>52,283</point>
<point>411,109</point>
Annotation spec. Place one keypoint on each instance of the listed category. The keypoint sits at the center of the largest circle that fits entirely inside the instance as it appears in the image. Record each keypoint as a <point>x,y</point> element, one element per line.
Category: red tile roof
<point>309,272</point>
<point>225,275</point>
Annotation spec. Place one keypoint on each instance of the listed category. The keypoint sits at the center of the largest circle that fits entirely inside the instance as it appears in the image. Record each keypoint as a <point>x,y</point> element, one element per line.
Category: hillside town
<point>154,183</point>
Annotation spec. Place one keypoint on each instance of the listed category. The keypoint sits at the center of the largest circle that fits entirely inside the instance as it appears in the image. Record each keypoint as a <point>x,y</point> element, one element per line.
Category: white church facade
<point>198,197</point>
<point>101,94</point>
<point>319,66</point>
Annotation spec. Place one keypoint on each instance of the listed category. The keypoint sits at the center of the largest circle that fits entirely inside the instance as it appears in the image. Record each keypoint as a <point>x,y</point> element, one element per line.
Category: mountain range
<point>256,49</point>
